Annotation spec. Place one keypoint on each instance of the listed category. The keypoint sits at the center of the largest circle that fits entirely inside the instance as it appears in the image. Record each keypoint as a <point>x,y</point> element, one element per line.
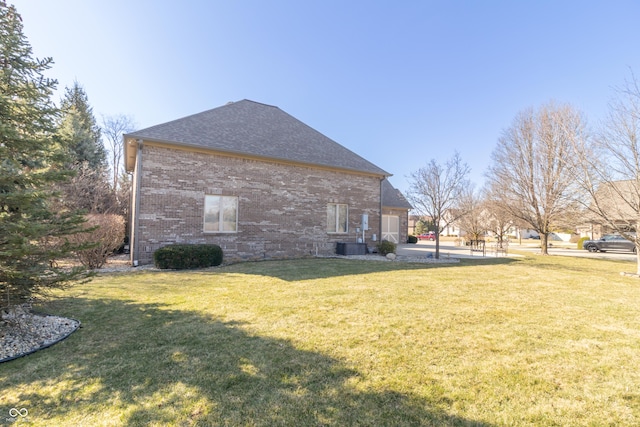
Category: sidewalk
<point>447,250</point>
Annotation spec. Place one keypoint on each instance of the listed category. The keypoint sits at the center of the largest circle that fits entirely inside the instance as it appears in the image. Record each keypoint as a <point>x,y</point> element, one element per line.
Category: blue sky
<point>398,82</point>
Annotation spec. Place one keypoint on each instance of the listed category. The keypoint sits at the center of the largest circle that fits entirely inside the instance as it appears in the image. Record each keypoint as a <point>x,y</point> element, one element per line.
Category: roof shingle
<point>251,128</point>
<point>392,197</point>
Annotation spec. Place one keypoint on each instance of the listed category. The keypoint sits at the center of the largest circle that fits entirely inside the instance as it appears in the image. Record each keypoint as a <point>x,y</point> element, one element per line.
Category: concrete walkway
<point>447,250</point>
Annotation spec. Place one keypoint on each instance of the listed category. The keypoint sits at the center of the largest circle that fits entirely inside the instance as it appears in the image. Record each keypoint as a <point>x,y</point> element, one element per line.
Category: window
<point>337,215</point>
<point>220,214</point>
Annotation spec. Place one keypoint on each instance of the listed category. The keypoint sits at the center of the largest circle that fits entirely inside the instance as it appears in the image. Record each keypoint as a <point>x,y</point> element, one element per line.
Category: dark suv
<point>610,242</point>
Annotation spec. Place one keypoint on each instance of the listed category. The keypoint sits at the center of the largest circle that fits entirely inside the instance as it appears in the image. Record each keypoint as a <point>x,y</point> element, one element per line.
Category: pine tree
<point>80,137</point>
<point>32,237</point>
<point>78,130</point>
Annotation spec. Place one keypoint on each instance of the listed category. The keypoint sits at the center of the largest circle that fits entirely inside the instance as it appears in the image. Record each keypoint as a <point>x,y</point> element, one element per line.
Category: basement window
<point>220,214</point>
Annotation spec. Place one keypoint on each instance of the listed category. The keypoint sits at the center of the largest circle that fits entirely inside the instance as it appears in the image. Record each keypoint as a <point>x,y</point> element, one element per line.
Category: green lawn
<point>326,342</point>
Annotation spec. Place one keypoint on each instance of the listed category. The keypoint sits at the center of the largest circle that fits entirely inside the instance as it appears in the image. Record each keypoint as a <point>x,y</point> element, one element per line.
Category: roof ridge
<point>188,116</point>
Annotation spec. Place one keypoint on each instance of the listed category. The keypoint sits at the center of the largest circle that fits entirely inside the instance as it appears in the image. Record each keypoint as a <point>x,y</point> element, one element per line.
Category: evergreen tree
<point>78,130</point>
<point>32,237</point>
<point>80,137</point>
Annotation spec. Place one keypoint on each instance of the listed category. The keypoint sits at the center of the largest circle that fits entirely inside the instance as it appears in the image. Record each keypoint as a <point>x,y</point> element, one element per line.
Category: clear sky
<point>398,82</point>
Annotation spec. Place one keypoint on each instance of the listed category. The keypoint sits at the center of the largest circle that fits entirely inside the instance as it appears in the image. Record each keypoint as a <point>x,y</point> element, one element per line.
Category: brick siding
<point>282,208</point>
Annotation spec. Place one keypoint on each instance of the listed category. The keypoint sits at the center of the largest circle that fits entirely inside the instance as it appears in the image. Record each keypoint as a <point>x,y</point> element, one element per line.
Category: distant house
<point>619,203</point>
<point>256,181</point>
<point>449,229</point>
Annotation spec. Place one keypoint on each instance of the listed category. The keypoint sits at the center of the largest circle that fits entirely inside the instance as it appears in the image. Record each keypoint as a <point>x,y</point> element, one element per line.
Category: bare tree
<point>112,128</point>
<point>499,221</point>
<point>608,167</point>
<point>435,189</point>
<point>530,172</point>
<point>88,190</point>
<point>474,219</point>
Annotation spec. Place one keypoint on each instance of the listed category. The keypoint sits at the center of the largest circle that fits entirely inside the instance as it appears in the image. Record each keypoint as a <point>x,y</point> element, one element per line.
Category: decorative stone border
<point>24,332</point>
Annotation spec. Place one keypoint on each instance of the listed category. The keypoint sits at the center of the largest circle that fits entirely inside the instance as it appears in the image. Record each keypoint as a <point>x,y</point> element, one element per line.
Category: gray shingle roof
<point>251,128</point>
<point>392,197</point>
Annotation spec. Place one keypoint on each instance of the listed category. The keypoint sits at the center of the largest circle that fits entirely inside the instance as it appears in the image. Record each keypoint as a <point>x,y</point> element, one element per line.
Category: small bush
<point>412,239</point>
<point>581,241</point>
<point>386,247</point>
<point>185,256</point>
<point>106,235</point>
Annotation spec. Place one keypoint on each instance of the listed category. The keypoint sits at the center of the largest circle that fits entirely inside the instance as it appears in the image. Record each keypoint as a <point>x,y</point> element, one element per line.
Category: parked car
<point>431,235</point>
<point>610,242</point>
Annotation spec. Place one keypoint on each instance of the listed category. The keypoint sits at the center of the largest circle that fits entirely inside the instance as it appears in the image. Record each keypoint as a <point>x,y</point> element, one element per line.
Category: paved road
<point>621,256</point>
<point>447,248</point>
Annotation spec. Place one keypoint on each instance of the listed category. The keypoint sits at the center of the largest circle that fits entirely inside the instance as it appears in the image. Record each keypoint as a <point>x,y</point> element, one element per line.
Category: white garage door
<point>391,228</point>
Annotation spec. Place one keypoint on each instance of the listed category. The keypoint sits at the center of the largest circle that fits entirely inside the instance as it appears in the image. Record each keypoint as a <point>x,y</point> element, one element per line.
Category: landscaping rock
<point>23,332</point>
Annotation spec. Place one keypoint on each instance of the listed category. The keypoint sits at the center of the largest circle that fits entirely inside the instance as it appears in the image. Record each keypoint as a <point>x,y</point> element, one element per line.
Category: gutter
<point>247,155</point>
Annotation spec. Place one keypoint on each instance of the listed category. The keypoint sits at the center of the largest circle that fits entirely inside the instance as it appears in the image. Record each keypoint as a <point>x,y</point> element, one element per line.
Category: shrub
<point>581,241</point>
<point>412,239</point>
<point>105,236</point>
<point>186,256</point>
<point>386,247</point>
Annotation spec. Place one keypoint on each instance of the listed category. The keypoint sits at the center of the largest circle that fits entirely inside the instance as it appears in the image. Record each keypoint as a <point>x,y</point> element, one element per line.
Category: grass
<point>323,342</point>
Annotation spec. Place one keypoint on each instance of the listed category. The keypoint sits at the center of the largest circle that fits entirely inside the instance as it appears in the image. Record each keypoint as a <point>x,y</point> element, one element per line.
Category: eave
<point>131,151</point>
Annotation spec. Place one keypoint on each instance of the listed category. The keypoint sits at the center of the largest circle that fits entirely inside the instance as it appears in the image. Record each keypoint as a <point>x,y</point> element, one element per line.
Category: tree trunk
<point>637,243</point>
<point>437,245</point>
<point>544,240</point>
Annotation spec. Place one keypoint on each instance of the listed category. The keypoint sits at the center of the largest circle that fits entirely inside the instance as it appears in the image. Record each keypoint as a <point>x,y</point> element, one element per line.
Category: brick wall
<point>282,208</point>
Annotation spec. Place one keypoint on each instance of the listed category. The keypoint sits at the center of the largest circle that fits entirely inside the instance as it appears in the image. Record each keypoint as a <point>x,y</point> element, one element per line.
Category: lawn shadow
<point>323,268</point>
<point>144,364</point>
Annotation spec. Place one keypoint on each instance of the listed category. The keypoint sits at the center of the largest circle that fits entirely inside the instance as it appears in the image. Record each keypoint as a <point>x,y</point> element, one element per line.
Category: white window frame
<point>219,202</point>
<point>334,228</point>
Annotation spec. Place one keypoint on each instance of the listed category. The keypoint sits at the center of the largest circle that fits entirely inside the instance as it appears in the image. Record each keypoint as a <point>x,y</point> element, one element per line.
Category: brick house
<point>395,214</point>
<point>256,181</point>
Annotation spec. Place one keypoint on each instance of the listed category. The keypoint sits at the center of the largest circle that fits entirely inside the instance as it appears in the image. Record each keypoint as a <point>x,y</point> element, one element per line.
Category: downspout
<point>135,247</point>
<point>406,220</point>
<point>380,213</point>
